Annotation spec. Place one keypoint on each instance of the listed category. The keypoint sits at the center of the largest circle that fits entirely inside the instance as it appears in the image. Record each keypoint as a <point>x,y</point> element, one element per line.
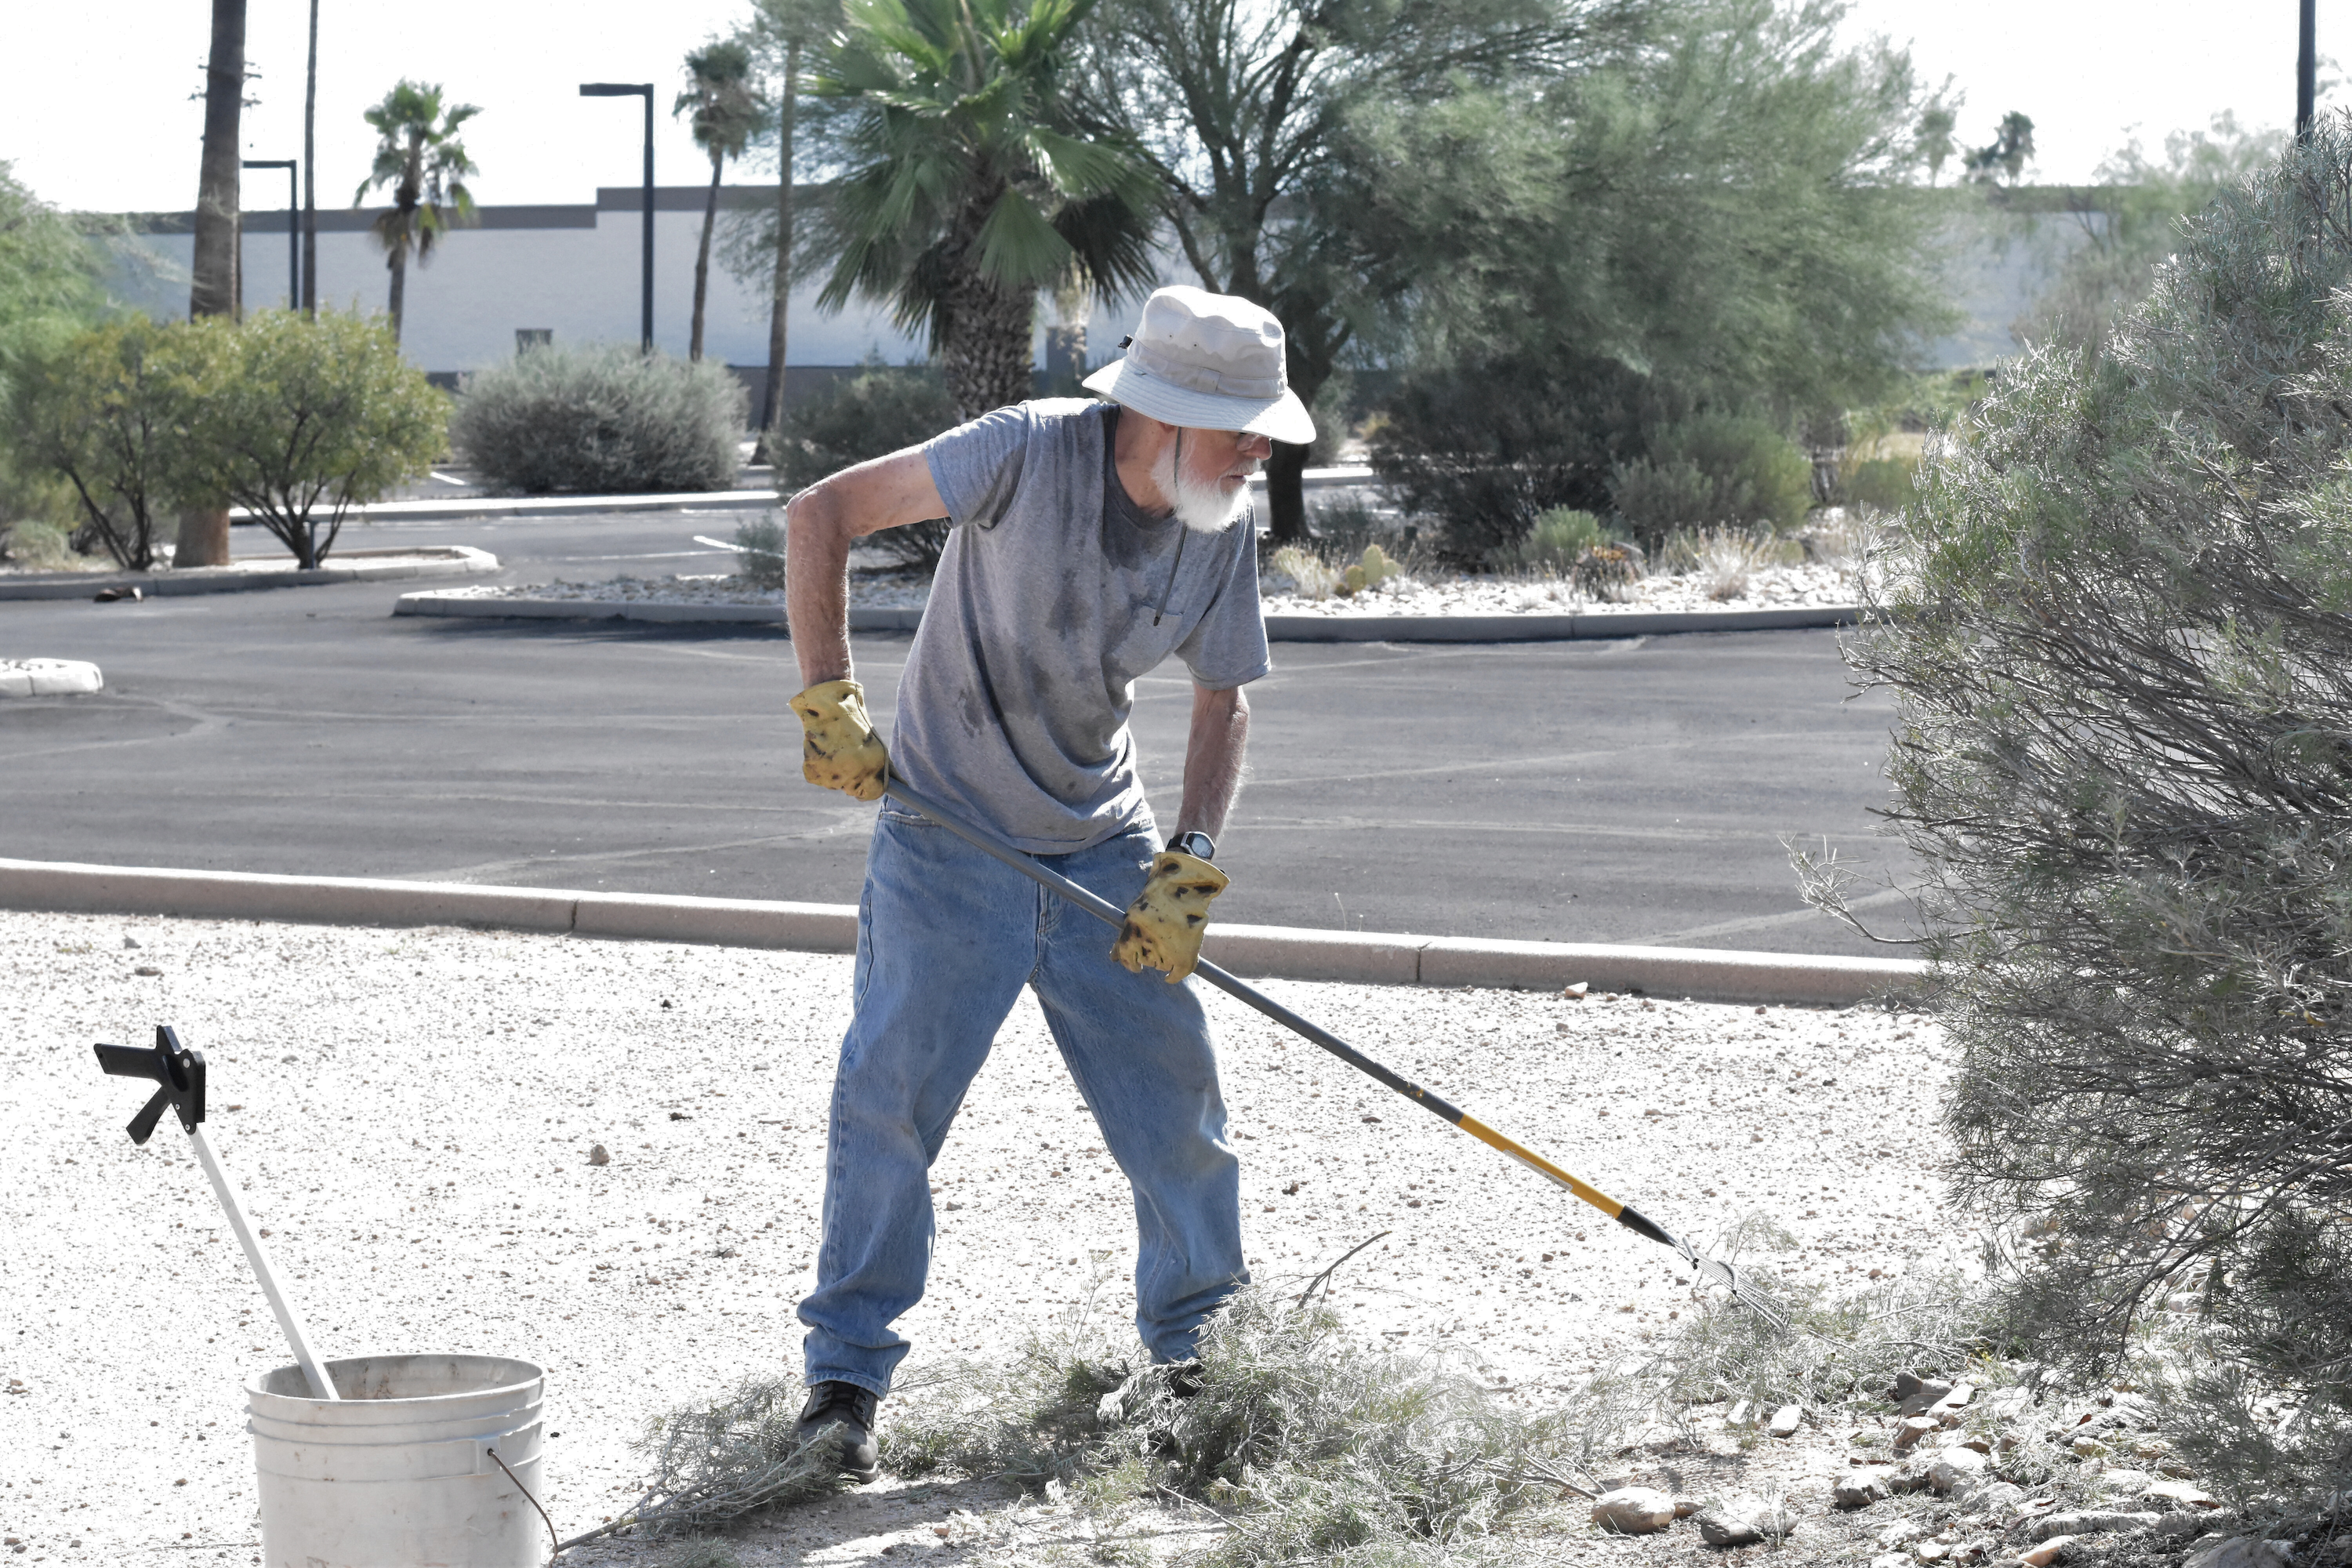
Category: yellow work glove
<point>1164,925</point>
<point>839,749</point>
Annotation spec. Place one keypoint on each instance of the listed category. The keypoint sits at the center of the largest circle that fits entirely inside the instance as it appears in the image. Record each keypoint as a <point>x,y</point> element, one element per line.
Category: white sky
<point>99,118</point>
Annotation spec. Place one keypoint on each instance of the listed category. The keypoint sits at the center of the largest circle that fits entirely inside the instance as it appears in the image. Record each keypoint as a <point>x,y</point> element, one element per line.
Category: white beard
<point>1200,505</point>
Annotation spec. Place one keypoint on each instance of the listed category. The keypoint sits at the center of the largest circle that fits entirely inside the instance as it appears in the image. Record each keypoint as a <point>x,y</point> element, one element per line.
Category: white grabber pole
<point>180,1071</point>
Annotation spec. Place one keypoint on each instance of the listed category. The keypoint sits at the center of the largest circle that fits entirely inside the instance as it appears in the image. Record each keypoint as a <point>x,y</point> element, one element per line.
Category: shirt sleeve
<point>1228,648</point>
<point>976,467</point>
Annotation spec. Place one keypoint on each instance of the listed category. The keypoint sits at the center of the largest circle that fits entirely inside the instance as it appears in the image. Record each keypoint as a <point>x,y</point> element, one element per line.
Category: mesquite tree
<point>2118,626</point>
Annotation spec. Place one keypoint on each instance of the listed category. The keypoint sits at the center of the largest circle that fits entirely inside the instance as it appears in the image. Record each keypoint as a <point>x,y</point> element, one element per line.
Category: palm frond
<point>1018,245</point>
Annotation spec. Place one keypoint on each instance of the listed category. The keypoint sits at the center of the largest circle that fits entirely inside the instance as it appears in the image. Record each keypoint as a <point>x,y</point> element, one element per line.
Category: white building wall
<point>571,270</point>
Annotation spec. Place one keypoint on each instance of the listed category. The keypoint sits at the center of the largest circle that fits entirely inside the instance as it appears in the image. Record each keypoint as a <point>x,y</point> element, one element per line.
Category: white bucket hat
<point>1207,362</point>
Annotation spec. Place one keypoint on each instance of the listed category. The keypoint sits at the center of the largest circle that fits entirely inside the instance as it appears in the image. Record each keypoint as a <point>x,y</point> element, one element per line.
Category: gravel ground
<point>412,1114</point>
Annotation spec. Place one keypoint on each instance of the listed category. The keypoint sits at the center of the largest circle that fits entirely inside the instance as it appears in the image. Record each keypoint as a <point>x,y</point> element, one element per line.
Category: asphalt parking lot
<point>1632,791</point>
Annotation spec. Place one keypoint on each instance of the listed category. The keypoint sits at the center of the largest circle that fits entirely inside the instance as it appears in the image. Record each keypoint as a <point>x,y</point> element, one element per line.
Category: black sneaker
<point>849,1411</point>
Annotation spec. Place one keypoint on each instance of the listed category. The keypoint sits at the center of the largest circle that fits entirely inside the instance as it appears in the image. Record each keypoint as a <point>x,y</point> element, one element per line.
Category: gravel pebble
<point>418,1109</point>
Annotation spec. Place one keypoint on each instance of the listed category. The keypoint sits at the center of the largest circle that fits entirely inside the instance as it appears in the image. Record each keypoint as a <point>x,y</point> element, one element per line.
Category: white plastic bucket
<point>397,1472</point>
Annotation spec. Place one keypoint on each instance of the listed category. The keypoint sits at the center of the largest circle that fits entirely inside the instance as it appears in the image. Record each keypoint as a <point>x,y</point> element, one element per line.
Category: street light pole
<point>293,224</point>
<point>645,90</point>
<point>2306,71</point>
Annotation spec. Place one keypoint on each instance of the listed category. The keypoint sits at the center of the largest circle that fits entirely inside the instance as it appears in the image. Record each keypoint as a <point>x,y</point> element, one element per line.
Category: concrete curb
<point>48,677</point>
<point>1278,628</point>
<point>445,605</point>
<point>1281,952</point>
<point>389,566</point>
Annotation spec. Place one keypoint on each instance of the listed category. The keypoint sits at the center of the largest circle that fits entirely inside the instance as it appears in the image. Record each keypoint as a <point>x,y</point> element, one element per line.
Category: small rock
<point>1718,1527</point>
<point>2053,1550</point>
<point>130,944</point>
<point>1910,1432</point>
<point>2129,1483</point>
<point>1739,1415</point>
<point>597,1156</point>
<point>1905,1385</point>
<point>1786,1420</point>
<point>2186,1494</point>
<point>1901,1533</point>
<point>2085,1522</point>
<point>1687,1506</point>
<point>148,970</point>
<point>2089,1448</point>
<point>1634,1511</point>
<point>1996,1499</point>
<point>1923,1398</point>
<point>1857,1491</point>
<point>1958,1470</point>
<point>1932,1551</point>
<point>1948,1409</point>
<point>1891,1560</point>
<point>1577,991</point>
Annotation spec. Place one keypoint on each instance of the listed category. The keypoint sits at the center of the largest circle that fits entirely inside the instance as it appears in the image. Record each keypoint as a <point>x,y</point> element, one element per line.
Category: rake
<point>1742,1289</point>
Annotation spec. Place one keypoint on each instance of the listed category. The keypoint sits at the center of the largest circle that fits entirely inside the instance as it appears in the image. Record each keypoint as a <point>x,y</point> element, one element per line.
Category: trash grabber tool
<point>180,1071</point>
<point>1724,1274</point>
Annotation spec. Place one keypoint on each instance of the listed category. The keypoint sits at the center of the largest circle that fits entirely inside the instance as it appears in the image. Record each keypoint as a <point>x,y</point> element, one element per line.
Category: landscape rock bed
<point>1775,587</point>
<point>413,1113</point>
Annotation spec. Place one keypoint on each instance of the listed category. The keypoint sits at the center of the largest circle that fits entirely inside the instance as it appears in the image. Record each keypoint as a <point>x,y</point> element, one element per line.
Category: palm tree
<point>417,154</point>
<point>780,32</point>
<point>968,184</point>
<point>727,110</point>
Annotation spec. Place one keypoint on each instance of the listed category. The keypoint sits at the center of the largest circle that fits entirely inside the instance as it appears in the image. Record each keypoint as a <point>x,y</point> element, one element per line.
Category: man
<point>1090,541</point>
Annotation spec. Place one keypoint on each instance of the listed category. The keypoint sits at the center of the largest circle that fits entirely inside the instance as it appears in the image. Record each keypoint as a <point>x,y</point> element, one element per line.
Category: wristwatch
<point>1197,844</point>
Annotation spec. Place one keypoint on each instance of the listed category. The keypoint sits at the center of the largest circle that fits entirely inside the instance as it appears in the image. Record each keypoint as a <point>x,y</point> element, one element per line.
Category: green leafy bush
<point>1886,484</point>
<point>107,412</point>
<point>602,420</point>
<point>880,410</point>
<point>1487,447</point>
<point>2118,626</point>
<point>299,420</point>
<point>1714,468</point>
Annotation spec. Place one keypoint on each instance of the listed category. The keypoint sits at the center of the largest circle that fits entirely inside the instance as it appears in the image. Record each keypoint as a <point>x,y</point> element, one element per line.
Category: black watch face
<point>1197,843</point>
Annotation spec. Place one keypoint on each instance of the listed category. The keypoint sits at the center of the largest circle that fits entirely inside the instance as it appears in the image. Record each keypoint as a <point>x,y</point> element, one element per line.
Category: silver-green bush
<point>2118,626</point>
<point>601,420</point>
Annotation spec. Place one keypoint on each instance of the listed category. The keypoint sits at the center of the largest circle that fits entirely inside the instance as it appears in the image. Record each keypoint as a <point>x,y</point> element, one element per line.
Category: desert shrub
<point>299,420</point>
<point>1485,448</point>
<point>2117,625</point>
<point>1714,468</point>
<point>601,420</point>
<point>878,411</point>
<point>107,411</point>
<point>1559,537</point>
<point>1724,557</point>
<point>39,547</point>
<point>1884,483</point>
<point>761,561</point>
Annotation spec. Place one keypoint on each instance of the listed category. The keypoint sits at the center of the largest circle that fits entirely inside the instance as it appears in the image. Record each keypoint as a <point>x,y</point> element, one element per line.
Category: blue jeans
<point>946,939</point>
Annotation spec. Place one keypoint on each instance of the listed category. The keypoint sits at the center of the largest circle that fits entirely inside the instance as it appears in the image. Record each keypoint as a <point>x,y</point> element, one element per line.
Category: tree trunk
<point>309,285</point>
<point>772,415</point>
<point>399,259</point>
<point>702,261</point>
<point>214,290</point>
<point>1286,494</point>
<point>986,355</point>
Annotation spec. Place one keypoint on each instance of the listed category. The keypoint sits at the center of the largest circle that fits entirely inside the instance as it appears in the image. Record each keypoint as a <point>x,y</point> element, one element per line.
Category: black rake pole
<point>1723,1274</point>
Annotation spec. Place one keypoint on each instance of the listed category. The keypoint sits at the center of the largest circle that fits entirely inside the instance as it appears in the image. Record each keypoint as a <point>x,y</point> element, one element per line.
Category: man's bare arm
<point>821,523</point>
<point>1212,760</point>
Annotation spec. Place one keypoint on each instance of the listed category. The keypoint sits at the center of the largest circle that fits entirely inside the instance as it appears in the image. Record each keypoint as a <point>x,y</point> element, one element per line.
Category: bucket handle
<point>554,1547</point>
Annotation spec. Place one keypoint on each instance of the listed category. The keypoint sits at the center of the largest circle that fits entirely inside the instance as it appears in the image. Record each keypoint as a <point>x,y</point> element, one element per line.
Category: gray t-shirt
<point>1047,608</point>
